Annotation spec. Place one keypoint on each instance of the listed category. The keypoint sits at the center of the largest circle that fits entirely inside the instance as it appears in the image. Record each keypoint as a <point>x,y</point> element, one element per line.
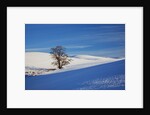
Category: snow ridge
<point>38,63</point>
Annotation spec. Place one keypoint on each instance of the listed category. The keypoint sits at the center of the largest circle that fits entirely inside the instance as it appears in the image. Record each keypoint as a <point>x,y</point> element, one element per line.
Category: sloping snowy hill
<point>38,60</point>
<point>41,62</point>
<point>110,76</point>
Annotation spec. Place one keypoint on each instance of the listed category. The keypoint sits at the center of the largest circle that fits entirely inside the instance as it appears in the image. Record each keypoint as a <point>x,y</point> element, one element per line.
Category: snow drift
<point>38,63</point>
<point>109,76</point>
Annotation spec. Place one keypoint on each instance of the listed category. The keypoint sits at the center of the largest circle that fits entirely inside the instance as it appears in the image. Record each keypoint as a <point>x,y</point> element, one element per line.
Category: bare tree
<point>60,57</point>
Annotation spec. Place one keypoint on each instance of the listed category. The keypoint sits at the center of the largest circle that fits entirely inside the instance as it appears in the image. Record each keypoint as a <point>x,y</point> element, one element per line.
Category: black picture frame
<point>45,3</point>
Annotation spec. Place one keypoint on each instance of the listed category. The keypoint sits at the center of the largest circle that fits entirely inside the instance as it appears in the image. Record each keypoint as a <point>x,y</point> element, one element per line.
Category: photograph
<point>74,56</point>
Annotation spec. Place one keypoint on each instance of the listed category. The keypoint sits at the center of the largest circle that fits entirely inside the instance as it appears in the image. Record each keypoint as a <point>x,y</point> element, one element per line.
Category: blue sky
<point>106,40</point>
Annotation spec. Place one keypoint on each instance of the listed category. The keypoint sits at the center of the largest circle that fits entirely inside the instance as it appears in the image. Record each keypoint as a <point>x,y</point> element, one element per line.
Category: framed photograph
<point>76,57</point>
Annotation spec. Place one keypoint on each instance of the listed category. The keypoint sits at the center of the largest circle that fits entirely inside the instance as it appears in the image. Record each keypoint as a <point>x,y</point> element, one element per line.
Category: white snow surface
<point>40,63</point>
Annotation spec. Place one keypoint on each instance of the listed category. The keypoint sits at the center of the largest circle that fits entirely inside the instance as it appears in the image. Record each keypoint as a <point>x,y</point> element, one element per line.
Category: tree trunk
<point>59,66</point>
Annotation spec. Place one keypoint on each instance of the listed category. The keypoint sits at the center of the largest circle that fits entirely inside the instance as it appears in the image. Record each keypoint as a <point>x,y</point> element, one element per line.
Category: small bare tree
<point>60,57</point>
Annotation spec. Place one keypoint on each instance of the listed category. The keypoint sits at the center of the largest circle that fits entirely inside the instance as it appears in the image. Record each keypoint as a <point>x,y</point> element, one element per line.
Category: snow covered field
<point>109,76</point>
<point>37,63</point>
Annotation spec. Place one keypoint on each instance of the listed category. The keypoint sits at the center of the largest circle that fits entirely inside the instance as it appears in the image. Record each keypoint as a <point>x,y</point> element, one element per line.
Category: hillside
<point>40,63</point>
<point>109,76</point>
